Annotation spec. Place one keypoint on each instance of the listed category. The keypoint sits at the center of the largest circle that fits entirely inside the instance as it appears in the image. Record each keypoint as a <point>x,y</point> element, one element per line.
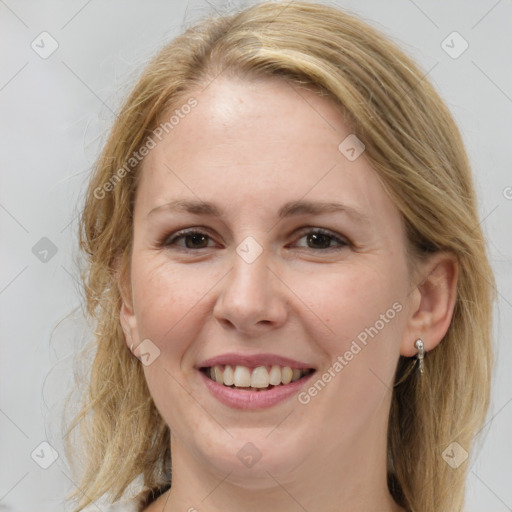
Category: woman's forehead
<point>263,152</point>
<point>264,137</point>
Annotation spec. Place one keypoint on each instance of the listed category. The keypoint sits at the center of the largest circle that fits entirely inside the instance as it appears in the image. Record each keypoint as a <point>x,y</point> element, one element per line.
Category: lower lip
<point>244,399</point>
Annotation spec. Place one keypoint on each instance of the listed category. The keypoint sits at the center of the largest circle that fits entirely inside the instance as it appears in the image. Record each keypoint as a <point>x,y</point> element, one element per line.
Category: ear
<point>433,302</point>
<point>127,315</point>
<point>129,326</point>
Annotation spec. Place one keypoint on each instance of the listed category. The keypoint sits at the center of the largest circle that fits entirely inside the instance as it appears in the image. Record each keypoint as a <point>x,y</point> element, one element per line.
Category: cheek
<point>359,315</point>
<point>366,318</point>
<point>349,300</point>
<point>169,300</point>
<point>170,303</point>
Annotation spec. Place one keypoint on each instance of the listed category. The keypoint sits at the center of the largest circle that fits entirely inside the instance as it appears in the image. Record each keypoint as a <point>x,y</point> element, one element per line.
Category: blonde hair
<point>416,150</point>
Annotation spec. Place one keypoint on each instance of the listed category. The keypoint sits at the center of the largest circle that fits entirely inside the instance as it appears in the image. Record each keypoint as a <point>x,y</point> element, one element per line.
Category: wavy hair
<point>416,149</point>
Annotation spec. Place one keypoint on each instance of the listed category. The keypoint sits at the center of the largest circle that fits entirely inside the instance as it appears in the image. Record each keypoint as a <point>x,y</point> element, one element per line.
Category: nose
<point>253,298</point>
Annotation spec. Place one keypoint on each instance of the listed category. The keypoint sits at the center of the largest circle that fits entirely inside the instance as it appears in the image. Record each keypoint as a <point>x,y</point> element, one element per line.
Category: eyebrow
<point>290,209</point>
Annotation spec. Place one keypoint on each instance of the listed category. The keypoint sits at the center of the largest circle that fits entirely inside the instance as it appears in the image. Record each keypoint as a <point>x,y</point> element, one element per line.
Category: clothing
<point>118,506</point>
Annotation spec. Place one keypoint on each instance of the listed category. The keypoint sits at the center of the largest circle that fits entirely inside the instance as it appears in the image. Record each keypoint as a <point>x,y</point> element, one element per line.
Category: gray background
<point>54,115</point>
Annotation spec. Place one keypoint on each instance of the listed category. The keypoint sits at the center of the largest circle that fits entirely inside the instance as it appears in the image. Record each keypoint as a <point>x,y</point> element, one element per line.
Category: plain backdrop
<point>55,111</point>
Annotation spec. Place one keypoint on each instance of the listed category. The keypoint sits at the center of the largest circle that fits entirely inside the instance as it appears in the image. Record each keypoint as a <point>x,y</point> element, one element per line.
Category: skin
<point>249,148</point>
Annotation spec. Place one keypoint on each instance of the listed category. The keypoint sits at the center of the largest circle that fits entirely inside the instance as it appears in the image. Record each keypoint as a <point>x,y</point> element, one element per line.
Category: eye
<point>321,239</point>
<point>316,239</point>
<point>193,239</point>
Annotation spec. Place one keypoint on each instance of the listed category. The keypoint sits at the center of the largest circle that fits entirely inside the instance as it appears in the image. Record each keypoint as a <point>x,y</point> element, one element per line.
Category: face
<point>328,289</point>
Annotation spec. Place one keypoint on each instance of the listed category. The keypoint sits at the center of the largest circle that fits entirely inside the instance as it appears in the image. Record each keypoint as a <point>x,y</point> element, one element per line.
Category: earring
<point>421,352</point>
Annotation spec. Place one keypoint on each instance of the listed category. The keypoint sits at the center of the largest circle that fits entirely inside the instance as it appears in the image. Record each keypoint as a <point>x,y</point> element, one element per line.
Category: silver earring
<point>421,352</point>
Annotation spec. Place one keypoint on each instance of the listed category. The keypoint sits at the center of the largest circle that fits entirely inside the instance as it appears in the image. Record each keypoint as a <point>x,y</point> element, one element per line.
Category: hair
<point>416,150</point>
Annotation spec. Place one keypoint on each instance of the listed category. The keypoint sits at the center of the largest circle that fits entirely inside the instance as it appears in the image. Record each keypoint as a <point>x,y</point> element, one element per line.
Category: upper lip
<point>253,361</point>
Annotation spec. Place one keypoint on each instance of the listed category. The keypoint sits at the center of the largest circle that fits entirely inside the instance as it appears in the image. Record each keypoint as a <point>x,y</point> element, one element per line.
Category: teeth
<point>242,377</point>
<point>228,375</point>
<point>287,374</point>
<point>217,374</point>
<point>275,375</point>
<point>256,378</point>
<point>259,377</point>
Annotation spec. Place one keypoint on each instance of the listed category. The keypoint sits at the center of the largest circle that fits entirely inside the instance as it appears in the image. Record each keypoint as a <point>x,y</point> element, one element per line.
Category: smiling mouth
<point>261,378</point>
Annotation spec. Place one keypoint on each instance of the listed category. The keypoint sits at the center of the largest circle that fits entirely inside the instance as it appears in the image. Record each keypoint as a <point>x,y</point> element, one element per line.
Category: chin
<point>250,464</point>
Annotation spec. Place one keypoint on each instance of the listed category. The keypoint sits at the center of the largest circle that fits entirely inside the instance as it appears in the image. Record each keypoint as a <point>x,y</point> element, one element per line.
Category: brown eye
<point>316,239</point>
<point>321,239</point>
<point>193,240</point>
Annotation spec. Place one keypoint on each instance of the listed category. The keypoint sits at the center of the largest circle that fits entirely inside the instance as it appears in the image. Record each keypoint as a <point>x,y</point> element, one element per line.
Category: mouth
<point>260,378</point>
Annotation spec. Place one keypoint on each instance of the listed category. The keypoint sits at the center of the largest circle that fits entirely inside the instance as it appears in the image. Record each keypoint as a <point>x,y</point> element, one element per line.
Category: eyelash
<point>170,240</point>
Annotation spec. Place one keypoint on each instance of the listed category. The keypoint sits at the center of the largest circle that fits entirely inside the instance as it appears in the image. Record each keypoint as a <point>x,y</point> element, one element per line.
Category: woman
<point>290,284</point>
